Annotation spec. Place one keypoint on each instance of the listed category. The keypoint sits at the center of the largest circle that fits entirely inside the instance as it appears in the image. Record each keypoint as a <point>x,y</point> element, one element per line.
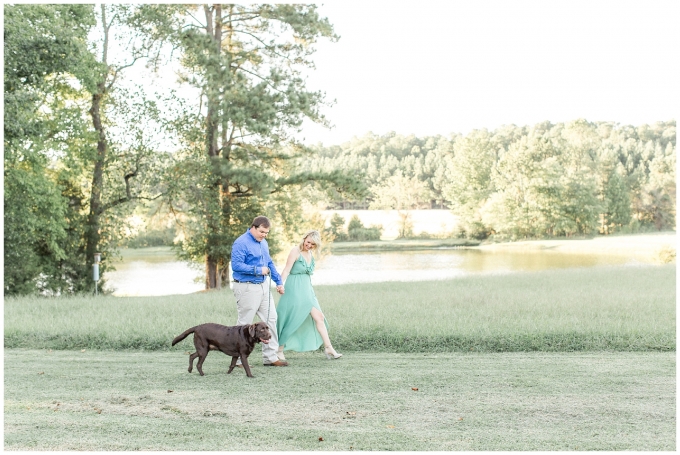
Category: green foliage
<point>616,200</point>
<point>337,224</point>
<point>152,237</point>
<point>471,229</point>
<point>357,232</point>
<point>77,147</point>
<point>238,154</point>
<point>398,192</point>
<point>34,229</point>
<point>46,64</point>
<point>43,41</point>
<point>565,179</point>
<point>470,173</point>
<point>378,160</point>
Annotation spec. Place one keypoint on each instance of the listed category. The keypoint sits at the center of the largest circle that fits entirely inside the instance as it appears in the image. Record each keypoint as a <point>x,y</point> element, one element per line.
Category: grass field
<point>601,308</point>
<point>132,400</point>
<point>572,359</point>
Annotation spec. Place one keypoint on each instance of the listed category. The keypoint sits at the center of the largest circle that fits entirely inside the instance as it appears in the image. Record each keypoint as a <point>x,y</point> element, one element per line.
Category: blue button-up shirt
<point>248,256</point>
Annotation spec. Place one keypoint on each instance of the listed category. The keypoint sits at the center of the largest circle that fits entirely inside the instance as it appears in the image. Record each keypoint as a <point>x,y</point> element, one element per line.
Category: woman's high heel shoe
<point>331,354</point>
<point>280,355</point>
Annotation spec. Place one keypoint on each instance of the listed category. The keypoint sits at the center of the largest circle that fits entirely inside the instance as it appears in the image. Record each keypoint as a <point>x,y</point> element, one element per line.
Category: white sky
<point>441,67</point>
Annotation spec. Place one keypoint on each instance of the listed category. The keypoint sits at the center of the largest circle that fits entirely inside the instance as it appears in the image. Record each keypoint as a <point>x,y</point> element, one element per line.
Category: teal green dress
<point>295,326</point>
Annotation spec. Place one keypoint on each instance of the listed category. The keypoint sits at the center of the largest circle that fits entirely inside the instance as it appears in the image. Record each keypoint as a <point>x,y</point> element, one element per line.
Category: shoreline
<point>647,243</point>
<point>638,244</point>
<point>401,245</point>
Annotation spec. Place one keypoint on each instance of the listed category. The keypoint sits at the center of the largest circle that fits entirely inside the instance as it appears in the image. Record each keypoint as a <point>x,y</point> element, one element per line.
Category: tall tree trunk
<point>225,205</point>
<point>210,273</point>
<point>93,235</point>
<point>225,201</point>
<point>226,138</point>
<point>214,30</point>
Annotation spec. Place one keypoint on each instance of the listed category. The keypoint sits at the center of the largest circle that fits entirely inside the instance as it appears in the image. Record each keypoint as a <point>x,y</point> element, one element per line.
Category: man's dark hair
<point>261,221</point>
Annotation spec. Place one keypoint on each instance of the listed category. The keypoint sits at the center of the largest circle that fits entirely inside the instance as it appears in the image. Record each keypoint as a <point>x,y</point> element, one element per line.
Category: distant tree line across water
<point>563,179</point>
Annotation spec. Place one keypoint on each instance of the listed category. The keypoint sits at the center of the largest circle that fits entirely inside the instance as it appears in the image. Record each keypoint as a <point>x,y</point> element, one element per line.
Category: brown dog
<point>236,341</point>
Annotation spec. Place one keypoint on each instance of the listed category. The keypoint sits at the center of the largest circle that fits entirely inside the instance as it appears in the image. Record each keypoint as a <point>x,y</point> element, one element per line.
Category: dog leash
<point>267,288</point>
<point>269,297</point>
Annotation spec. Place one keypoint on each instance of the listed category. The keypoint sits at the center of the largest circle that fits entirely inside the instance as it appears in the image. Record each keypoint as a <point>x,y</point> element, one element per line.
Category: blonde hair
<point>314,236</point>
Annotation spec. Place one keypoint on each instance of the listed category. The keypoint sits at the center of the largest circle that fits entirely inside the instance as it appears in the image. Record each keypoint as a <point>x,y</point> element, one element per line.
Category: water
<point>140,277</point>
<point>155,271</point>
<point>443,264</point>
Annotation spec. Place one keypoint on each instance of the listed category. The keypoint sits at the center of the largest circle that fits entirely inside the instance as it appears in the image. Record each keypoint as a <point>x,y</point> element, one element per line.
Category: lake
<point>155,271</point>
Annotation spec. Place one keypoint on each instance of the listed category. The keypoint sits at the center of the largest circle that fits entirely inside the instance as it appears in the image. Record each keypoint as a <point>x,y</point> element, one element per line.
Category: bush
<point>666,254</point>
<point>357,232</point>
<point>474,230</point>
<point>365,234</point>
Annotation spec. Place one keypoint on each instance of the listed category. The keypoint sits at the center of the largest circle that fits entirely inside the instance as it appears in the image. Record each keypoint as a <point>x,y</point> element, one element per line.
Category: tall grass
<point>607,308</point>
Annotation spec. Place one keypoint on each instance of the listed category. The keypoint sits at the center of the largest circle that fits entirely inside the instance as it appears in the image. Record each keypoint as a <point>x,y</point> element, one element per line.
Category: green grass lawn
<point>133,400</point>
<point>572,359</point>
<point>591,309</point>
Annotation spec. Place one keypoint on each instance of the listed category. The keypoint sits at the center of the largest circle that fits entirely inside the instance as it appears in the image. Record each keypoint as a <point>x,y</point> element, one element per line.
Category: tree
<point>238,145</point>
<point>538,193</point>
<point>614,194</point>
<point>657,200</point>
<point>524,180</point>
<point>625,173</point>
<point>401,193</point>
<point>62,109</point>
<point>336,229</point>
<point>123,167</point>
<point>47,64</point>
<point>469,178</point>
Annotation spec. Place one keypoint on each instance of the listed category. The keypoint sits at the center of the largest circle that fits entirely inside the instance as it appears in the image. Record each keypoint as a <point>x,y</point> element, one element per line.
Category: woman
<point>301,324</point>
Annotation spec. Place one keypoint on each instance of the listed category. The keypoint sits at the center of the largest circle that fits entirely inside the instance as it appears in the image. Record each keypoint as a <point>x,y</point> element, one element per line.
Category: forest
<point>544,180</point>
<point>87,145</point>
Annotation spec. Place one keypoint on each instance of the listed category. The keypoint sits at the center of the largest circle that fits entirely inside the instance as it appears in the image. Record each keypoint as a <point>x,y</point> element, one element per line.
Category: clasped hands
<point>280,289</point>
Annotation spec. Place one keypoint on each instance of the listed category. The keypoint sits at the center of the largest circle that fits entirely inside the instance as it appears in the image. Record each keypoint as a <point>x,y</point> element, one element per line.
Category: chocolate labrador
<point>235,341</point>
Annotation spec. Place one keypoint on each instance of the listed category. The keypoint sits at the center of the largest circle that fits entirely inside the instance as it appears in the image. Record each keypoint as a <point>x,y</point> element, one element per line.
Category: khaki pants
<point>252,299</point>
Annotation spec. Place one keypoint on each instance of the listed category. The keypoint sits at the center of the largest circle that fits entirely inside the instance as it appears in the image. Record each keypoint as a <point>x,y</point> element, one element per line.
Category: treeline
<point>564,179</point>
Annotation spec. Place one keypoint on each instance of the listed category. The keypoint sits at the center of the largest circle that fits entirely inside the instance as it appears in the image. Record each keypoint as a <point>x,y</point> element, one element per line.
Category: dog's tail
<point>182,336</point>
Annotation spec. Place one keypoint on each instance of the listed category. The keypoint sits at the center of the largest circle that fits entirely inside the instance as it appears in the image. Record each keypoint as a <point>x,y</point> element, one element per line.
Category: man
<point>251,263</point>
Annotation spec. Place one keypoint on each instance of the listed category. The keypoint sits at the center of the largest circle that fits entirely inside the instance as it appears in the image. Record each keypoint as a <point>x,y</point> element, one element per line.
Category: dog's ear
<point>251,330</point>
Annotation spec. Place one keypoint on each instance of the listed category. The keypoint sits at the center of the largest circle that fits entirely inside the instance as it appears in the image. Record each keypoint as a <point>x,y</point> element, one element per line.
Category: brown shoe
<point>278,363</point>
